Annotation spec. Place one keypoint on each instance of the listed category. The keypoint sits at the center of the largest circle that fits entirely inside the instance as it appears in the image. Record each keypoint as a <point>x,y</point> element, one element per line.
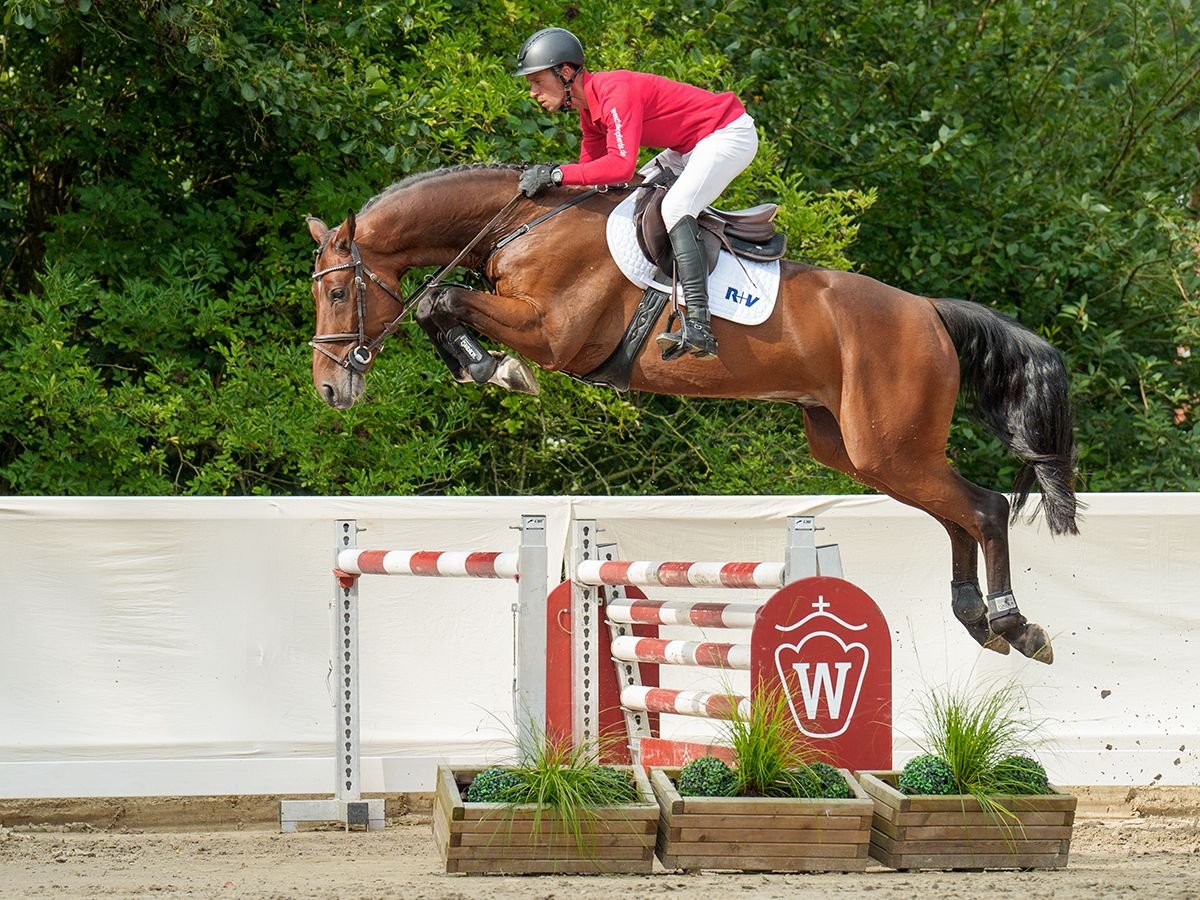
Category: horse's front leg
<point>423,314</point>
<point>441,315</point>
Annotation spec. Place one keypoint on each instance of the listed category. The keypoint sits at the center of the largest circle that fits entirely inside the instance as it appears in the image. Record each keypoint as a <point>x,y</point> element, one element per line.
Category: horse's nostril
<point>328,392</point>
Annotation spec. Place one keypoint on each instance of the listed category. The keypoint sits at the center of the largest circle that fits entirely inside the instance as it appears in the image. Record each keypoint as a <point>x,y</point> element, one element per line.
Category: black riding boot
<point>691,266</point>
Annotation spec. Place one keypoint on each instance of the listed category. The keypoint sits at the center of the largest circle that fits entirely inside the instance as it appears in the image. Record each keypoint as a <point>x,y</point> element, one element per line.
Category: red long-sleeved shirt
<point>629,110</point>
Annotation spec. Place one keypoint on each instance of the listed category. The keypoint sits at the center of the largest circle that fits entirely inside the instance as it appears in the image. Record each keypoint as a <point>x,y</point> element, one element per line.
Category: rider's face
<point>546,89</point>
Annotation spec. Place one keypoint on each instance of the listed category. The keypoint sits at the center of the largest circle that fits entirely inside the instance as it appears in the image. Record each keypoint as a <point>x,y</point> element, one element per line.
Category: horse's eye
<point>337,294</point>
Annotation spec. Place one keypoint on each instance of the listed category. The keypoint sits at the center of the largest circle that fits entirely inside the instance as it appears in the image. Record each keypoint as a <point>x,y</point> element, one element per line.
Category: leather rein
<point>358,357</point>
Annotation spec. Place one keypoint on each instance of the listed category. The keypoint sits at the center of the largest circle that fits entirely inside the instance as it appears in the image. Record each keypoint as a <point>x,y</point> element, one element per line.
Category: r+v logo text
<point>747,299</point>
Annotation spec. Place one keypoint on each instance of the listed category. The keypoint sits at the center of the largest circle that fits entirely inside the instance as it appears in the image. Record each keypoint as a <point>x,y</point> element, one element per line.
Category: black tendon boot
<point>463,346</point>
<point>691,265</point>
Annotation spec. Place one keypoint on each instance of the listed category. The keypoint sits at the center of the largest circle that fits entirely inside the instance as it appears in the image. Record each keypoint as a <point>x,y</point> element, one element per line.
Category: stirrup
<point>690,338</point>
<point>671,342</point>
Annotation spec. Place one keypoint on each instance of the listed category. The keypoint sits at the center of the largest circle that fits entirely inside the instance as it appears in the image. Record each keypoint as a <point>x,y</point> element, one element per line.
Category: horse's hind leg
<point>983,514</point>
<point>828,448</point>
<point>966,599</point>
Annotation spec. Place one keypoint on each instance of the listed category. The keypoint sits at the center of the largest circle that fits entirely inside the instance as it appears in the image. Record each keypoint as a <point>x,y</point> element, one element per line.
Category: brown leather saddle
<point>749,233</point>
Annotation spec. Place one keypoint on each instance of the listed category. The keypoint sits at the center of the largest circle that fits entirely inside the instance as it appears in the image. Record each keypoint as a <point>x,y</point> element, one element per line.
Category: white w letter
<point>811,689</point>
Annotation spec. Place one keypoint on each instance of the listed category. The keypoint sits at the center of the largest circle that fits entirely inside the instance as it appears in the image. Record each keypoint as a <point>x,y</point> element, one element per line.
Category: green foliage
<point>773,760</point>
<point>927,774</point>
<point>831,783</point>
<point>1037,156</point>
<point>707,777</point>
<point>559,777</point>
<point>980,735</point>
<point>1020,774</point>
<point>495,785</point>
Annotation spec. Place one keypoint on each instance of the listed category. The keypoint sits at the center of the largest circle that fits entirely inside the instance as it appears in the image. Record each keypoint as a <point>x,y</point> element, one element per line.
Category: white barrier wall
<point>181,646</point>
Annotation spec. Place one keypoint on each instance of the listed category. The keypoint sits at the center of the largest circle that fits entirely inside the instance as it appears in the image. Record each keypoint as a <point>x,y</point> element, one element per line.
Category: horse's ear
<point>350,226</point>
<point>317,228</point>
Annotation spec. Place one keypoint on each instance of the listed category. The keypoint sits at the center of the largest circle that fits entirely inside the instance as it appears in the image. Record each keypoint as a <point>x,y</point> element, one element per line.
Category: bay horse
<point>876,370</point>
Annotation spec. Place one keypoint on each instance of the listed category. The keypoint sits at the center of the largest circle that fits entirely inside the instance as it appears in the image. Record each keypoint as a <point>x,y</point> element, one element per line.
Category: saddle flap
<point>651,229</point>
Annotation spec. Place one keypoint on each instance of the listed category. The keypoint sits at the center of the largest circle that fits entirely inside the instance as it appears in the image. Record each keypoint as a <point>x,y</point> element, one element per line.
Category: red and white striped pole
<point>680,574</point>
<point>685,703</point>
<point>430,563</point>
<point>710,654</point>
<point>684,612</point>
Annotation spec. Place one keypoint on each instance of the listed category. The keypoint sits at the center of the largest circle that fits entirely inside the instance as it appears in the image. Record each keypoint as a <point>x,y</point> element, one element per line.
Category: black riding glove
<point>537,178</point>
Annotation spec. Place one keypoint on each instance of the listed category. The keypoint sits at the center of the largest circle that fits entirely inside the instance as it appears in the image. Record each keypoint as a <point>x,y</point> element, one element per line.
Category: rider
<point>710,135</point>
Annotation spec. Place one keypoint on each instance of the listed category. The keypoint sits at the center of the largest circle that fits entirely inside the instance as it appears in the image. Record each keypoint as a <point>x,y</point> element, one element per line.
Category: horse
<point>877,371</point>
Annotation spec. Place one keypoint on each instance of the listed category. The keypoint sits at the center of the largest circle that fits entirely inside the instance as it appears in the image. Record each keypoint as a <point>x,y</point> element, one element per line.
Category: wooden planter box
<point>761,834</point>
<point>496,838</point>
<point>954,832</point>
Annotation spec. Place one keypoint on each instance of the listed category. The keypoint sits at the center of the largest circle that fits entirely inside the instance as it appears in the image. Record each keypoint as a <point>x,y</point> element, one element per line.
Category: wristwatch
<point>556,175</point>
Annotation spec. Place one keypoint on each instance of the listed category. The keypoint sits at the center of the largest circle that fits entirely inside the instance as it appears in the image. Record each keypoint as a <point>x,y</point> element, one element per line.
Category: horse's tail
<point>1019,386</point>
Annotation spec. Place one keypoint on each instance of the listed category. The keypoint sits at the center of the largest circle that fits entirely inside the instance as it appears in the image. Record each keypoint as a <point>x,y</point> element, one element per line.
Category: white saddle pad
<point>740,290</point>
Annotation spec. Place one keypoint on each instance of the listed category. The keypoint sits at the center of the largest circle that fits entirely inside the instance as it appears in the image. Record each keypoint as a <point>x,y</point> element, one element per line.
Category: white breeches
<point>708,169</point>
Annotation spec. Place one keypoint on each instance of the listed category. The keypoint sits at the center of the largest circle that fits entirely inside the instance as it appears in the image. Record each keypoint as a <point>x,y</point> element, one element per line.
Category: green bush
<point>707,777</point>
<point>927,774</point>
<point>154,294</point>
<point>1019,774</point>
<point>495,785</point>
<point>832,784</point>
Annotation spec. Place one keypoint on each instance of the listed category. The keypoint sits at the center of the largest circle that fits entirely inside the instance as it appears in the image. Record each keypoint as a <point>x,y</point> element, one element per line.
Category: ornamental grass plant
<point>559,779</point>
<point>985,738</point>
<point>772,757</point>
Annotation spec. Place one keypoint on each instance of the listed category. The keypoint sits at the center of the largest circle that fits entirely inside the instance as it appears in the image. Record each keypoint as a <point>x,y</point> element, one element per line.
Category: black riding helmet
<point>549,49</point>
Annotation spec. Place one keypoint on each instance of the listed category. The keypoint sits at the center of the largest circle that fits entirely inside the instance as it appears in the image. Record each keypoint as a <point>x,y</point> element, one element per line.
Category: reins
<point>359,357</point>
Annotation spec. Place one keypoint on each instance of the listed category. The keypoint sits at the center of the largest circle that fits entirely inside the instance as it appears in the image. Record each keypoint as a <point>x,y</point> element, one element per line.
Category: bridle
<point>362,350</point>
<point>358,357</point>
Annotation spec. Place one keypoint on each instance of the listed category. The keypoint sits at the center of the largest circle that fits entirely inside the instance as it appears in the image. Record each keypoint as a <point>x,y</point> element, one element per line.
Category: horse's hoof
<point>985,637</point>
<point>1032,641</point>
<point>513,375</point>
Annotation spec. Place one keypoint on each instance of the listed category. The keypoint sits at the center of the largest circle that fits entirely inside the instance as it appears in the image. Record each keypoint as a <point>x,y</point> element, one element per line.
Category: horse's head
<point>353,313</point>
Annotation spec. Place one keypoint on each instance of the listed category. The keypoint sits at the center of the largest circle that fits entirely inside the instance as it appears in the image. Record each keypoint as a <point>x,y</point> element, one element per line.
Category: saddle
<point>749,233</point>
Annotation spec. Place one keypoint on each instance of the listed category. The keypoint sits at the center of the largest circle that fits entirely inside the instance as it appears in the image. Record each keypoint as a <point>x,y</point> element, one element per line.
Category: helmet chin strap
<point>567,103</point>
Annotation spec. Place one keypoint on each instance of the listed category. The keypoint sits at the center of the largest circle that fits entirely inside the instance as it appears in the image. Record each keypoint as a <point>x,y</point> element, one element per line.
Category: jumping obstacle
<point>599,627</point>
<point>528,567</point>
<point>818,637</point>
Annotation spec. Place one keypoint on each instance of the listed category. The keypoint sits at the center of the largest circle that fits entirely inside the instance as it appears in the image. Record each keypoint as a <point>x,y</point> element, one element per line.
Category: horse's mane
<point>420,177</point>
